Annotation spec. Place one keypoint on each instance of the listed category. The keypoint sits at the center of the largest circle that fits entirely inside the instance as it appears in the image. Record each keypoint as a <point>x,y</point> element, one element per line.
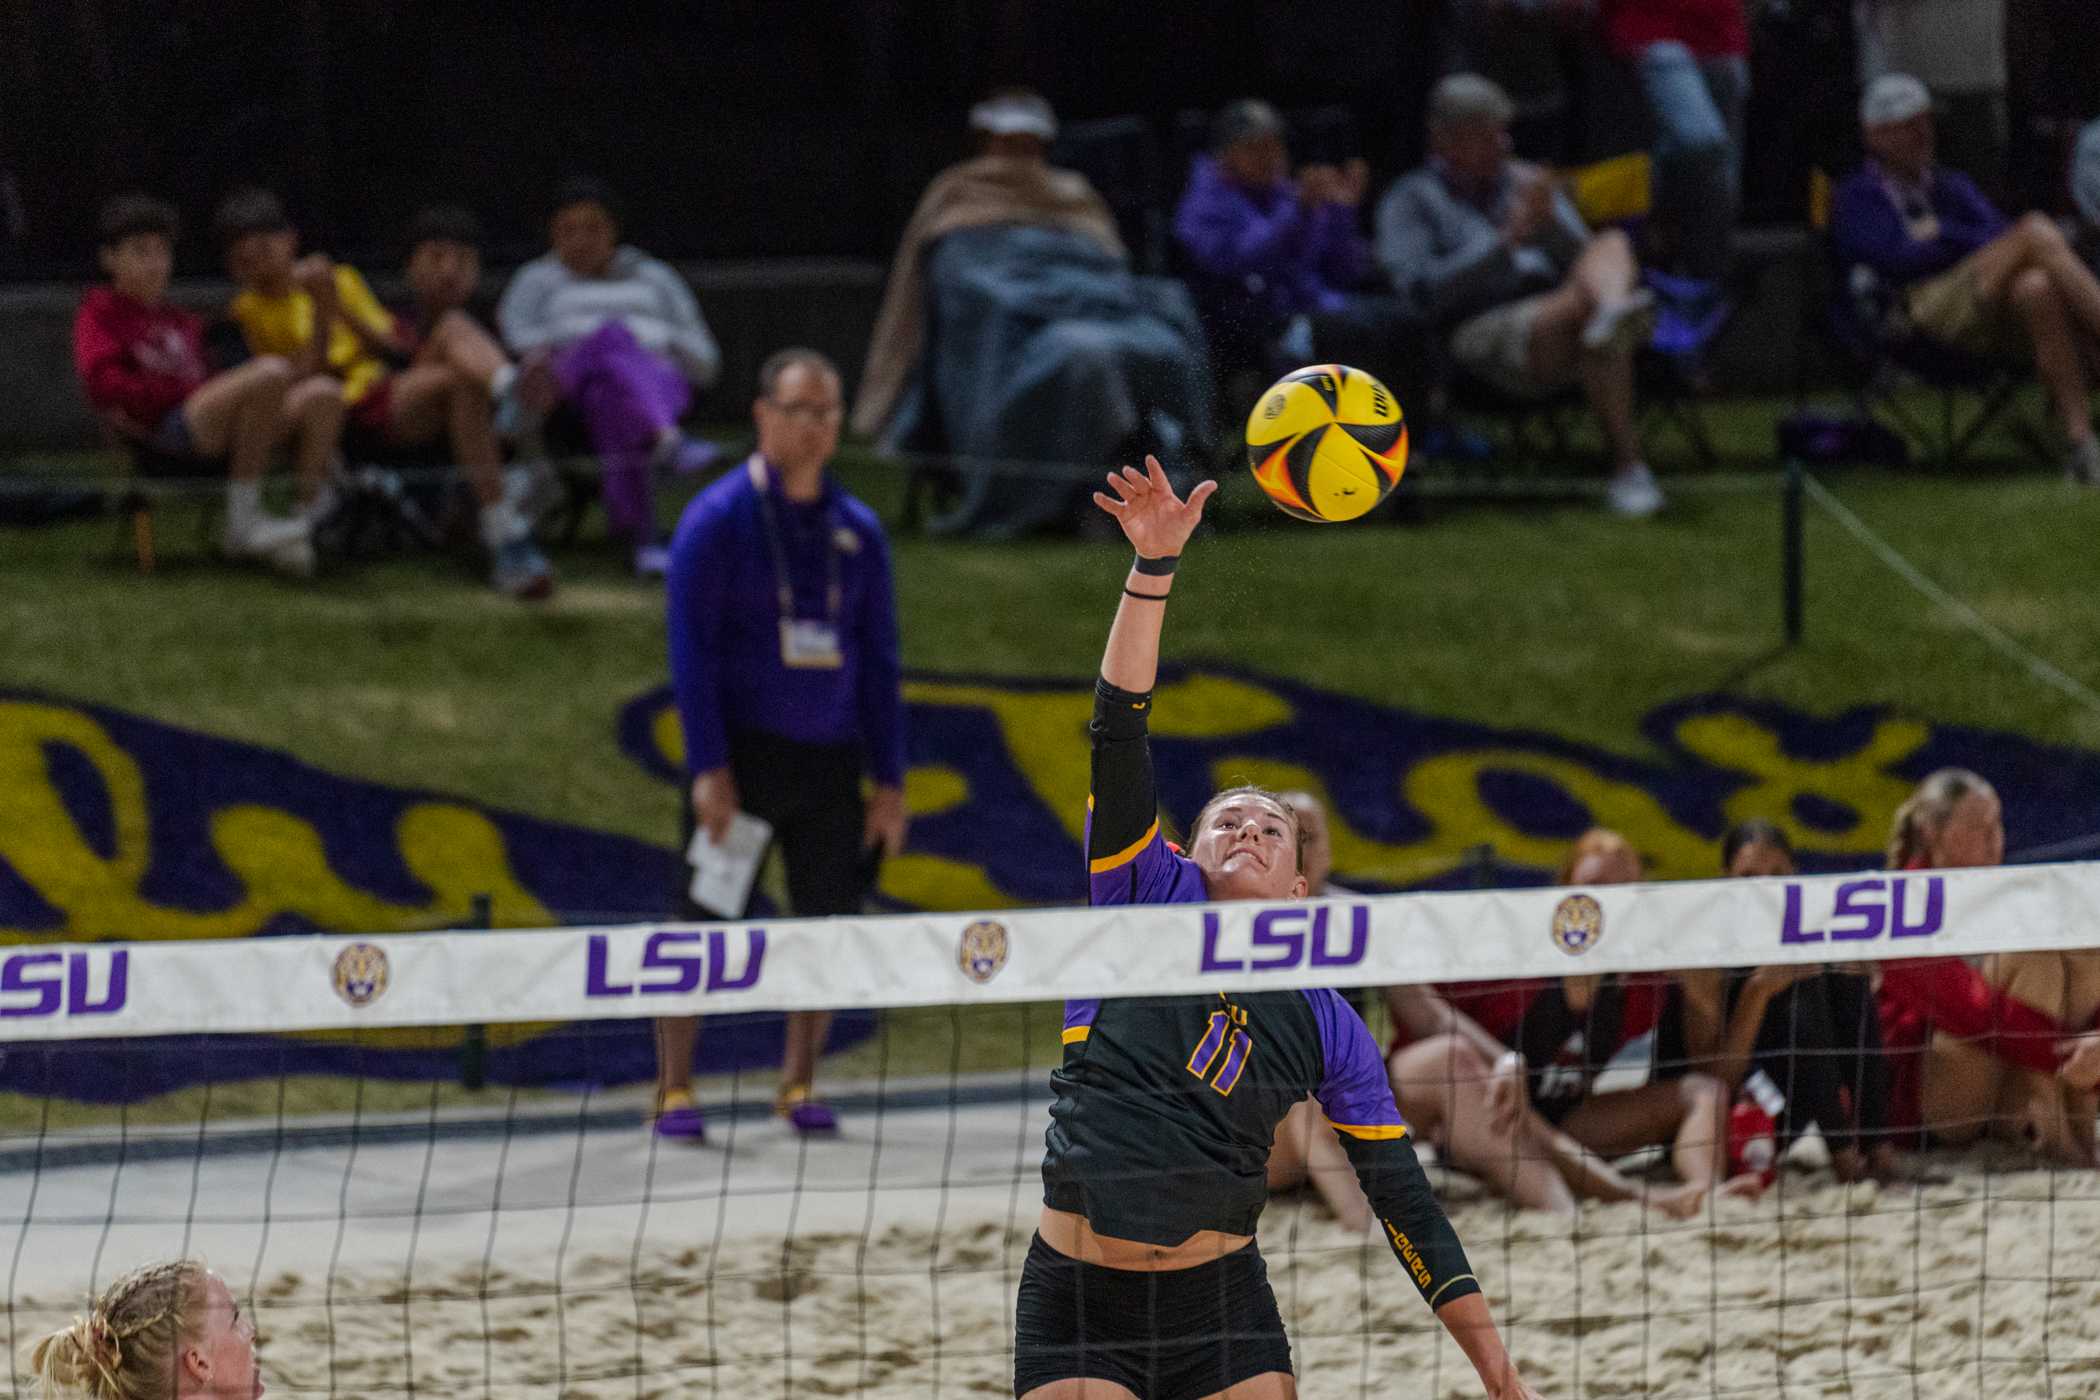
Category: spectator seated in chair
<point>617,335</point>
<point>1277,263</point>
<point>1013,331</point>
<point>442,271</point>
<point>400,390</point>
<point>141,362</point>
<point>1486,249</point>
<point>1925,256</point>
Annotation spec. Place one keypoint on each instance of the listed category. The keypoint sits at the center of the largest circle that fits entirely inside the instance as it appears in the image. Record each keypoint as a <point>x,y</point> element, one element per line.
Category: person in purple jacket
<point>1275,261</point>
<point>1144,1278</point>
<point>1925,242</point>
<point>782,627</point>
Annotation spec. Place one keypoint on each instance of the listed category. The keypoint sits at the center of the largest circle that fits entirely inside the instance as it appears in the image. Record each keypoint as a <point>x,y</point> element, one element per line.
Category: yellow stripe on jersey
<point>1074,1034</point>
<point>1461,1278</point>
<point>1370,1132</point>
<point>1128,854</point>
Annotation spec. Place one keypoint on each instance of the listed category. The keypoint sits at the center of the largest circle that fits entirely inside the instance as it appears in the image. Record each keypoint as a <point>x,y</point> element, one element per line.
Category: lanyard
<point>834,583</point>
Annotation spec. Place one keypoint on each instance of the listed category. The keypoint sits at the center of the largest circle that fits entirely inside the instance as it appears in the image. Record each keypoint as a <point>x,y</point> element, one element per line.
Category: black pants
<point>810,793</point>
<point>1820,1043</point>
<point>1174,1335</point>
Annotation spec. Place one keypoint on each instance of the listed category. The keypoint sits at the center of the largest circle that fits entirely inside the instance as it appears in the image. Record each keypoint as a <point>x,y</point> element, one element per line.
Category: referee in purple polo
<point>783,639</point>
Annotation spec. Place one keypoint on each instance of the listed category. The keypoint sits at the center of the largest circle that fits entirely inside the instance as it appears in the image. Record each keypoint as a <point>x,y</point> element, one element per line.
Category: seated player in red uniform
<point>2006,1046</point>
<point>1500,1075</point>
<point>1806,1039</point>
<point>1144,1279</point>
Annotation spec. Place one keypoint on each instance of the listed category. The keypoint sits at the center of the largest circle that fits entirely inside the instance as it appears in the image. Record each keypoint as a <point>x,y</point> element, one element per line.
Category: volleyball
<point>1326,443</point>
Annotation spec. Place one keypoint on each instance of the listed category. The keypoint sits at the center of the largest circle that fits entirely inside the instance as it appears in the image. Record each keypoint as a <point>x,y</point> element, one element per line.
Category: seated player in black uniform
<point>1144,1279</point>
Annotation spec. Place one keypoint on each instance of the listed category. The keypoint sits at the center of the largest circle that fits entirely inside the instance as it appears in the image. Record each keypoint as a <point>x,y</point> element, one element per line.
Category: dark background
<point>757,128</point>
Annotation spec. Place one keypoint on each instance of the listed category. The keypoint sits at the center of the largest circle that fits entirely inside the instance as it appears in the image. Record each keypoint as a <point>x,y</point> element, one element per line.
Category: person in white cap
<point>1009,181</point>
<point>1948,266</point>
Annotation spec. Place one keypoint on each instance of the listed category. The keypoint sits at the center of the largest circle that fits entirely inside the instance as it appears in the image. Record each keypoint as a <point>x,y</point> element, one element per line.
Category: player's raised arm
<point>1158,524</point>
<point>1127,861</point>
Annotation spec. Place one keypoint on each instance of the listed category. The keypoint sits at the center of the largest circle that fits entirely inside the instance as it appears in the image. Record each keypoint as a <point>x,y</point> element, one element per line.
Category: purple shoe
<point>678,1118</point>
<point>806,1115</point>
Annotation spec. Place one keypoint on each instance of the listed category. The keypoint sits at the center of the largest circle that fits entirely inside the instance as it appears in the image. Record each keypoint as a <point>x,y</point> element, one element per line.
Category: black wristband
<point>1148,597</point>
<point>1157,568</point>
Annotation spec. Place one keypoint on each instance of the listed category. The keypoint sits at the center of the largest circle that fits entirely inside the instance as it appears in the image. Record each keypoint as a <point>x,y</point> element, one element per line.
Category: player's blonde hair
<point>1218,799</point>
<point>128,1346</point>
<point>1926,810</point>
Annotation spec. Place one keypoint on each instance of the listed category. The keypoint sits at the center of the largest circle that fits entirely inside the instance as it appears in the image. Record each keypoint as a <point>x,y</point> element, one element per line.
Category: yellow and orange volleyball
<point>1326,443</point>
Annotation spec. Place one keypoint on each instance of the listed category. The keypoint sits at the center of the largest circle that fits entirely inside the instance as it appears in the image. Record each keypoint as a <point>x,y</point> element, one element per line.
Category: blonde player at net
<point>169,1331</point>
<point>1144,1279</point>
<point>1305,1150</point>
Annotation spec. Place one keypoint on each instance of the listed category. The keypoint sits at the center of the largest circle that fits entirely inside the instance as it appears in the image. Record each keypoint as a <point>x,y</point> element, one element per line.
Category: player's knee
<point>2038,228</point>
<point>1615,242</point>
<point>1439,1069</point>
<point>317,393</point>
<point>269,374</point>
<point>2032,289</point>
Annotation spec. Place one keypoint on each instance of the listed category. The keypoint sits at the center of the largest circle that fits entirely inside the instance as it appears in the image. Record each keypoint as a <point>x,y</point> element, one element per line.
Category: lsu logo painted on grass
<point>113,826</point>
<point>997,782</point>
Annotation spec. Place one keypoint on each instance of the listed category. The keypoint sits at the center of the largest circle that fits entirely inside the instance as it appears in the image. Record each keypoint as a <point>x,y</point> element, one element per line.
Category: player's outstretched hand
<point>1155,521</point>
<point>1515,1389</point>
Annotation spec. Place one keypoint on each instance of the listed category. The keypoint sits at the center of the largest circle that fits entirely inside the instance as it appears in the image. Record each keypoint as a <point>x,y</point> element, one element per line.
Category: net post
<point>474,1041</point>
<point>1790,553</point>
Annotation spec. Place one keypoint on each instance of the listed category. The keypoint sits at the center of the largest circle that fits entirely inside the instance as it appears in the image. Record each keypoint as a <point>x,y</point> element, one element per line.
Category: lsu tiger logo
<point>361,973</point>
<point>982,951</point>
<point>1578,923</point>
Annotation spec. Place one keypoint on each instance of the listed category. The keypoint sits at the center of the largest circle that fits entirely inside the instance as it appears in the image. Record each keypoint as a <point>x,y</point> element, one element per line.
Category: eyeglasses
<point>810,412</point>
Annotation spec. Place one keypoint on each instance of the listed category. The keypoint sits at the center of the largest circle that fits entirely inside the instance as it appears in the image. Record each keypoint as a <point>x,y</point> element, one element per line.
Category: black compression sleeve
<point>1125,801</point>
<point>1414,1224</point>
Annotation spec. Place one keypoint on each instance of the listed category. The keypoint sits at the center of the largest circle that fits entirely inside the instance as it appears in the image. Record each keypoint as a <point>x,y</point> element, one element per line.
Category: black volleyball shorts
<point>1174,1335</point>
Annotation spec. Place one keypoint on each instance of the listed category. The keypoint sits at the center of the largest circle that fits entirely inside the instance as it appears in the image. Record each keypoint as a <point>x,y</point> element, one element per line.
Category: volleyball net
<point>394,1238</point>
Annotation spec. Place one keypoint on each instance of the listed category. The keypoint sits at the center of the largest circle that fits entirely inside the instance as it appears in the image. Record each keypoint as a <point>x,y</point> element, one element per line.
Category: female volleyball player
<point>2007,1046</point>
<point>165,1332</point>
<point>1144,1279</point>
<point>1812,1031</point>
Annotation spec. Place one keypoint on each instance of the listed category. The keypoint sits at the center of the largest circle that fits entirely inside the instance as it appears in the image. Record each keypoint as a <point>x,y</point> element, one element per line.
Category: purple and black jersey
<point>1166,1107</point>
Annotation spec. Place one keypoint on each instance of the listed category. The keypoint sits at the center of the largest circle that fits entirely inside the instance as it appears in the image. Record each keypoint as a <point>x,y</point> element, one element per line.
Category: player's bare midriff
<point>1071,1235</point>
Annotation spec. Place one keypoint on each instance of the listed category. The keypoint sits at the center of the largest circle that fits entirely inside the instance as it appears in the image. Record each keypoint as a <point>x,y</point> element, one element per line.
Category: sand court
<point>574,1255</point>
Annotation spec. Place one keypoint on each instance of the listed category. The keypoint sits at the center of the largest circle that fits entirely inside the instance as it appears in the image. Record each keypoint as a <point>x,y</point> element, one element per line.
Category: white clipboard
<point>724,872</point>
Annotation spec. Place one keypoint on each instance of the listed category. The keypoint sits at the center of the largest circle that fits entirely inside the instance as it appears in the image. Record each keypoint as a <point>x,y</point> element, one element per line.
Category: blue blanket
<point>1048,362</point>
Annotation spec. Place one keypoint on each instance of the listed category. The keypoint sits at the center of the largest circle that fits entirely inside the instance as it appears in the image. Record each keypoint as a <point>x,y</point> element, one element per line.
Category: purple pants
<point>627,396</point>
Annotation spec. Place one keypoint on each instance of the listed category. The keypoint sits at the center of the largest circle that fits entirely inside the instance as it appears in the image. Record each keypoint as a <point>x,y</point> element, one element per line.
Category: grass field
<point>1552,617</point>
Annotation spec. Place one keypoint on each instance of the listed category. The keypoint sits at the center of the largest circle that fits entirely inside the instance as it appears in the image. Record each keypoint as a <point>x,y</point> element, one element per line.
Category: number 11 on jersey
<point>1221,1035</point>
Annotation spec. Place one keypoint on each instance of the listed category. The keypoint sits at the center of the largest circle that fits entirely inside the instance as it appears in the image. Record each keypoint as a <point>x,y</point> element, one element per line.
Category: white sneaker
<point>284,543</point>
<point>1634,494</point>
<point>2082,463</point>
<point>1622,326</point>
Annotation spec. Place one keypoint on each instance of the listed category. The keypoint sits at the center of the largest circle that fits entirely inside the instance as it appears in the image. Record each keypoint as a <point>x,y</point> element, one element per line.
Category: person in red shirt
<point>1692,58</point>
<point>141,361</point>
<point>2006,1045</point>
<point>1501,1076</point>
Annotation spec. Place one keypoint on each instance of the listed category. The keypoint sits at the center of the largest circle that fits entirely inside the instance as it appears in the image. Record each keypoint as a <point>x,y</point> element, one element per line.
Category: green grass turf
<point>1553,617</point>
